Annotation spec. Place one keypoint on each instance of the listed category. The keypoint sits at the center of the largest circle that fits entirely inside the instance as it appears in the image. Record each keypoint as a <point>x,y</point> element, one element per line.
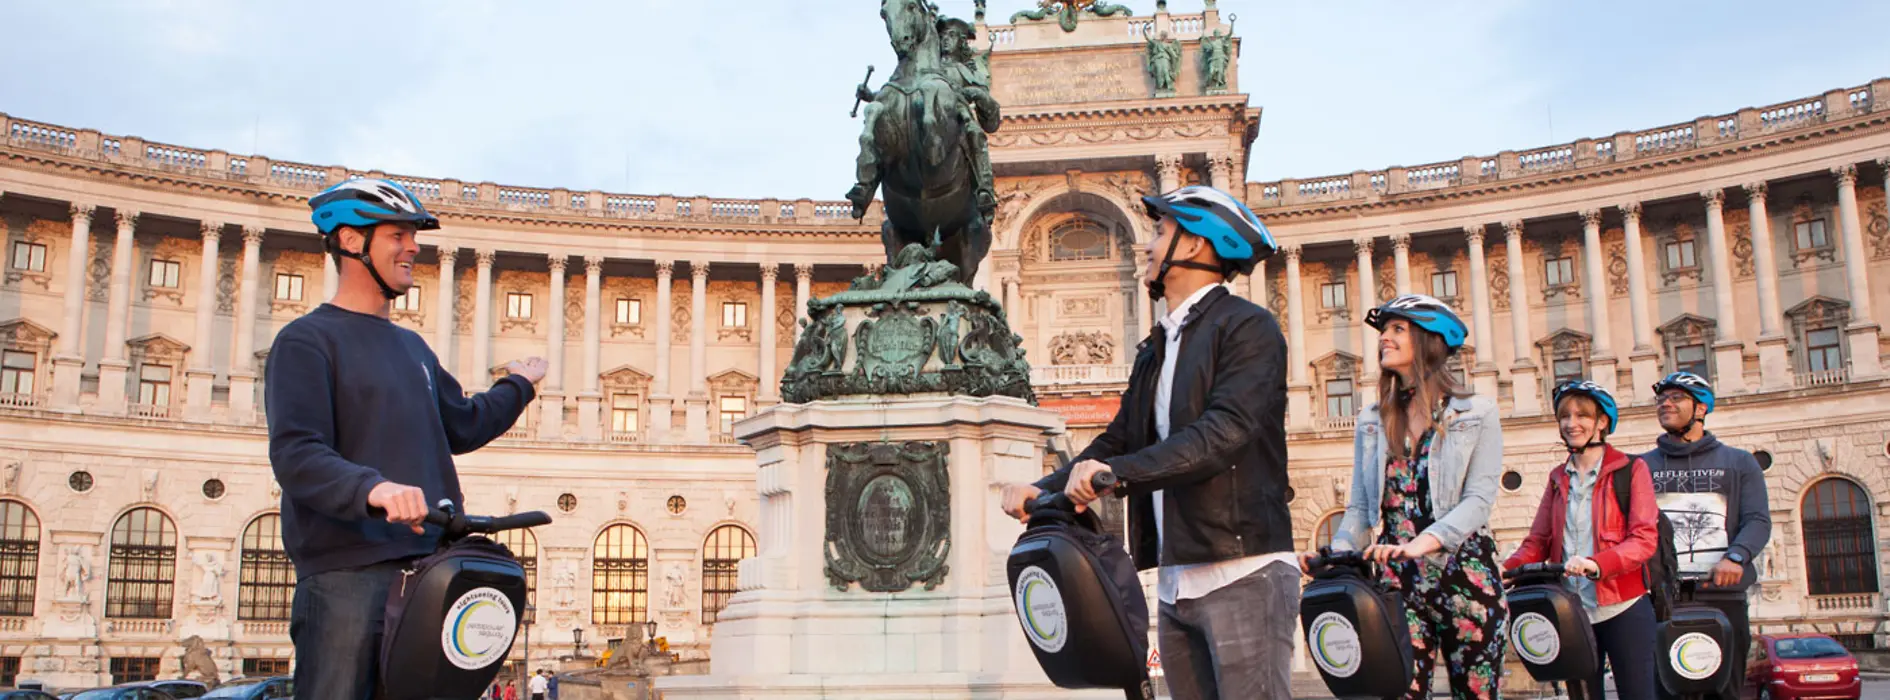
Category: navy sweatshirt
<point>354,400</point>
<point>1714,494</point>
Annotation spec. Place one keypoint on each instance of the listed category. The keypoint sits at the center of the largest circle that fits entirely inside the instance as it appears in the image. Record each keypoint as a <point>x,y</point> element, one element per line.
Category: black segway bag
<point>450,622</point>
<point>1550,630</point>
<point>1356,632</point>
<point>1079,601</point>
<point>1693,647</point>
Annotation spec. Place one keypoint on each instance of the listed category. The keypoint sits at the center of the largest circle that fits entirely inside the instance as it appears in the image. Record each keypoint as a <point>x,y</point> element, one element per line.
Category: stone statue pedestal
<point>881,565</point>
<point>73,657</point>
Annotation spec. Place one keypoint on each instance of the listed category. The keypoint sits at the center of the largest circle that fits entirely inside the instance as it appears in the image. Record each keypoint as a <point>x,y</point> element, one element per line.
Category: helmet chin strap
<point>367,244</point>
<point>1158,287</point>
<point>1573,450</point>
<point>1681,433</point>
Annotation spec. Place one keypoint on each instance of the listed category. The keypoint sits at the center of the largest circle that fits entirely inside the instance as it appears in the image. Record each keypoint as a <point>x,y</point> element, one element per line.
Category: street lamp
<point>649,629</point>
<point>577,642</point>
<point>525,664</point>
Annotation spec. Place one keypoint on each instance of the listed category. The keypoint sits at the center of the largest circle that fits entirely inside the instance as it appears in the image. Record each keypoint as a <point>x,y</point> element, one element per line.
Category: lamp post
<point>525,664</point>
<point>577,642</point>
<point>649,629</point>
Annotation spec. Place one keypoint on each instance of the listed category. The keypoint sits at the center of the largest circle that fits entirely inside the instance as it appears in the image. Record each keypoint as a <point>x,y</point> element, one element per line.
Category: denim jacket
<point>1466,463</point>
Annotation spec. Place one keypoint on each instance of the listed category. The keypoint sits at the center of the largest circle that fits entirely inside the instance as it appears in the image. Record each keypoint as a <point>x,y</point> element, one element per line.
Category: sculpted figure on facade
<point>564,581</point>
<point>1164,63</point>
<point>1217,53</point>
<point>74,573</point>
<point>209,588</point>
<point>970,72</point>
<point>675,587</point>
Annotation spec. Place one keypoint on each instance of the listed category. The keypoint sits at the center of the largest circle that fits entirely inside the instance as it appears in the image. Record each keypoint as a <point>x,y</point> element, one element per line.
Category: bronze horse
<point>914,147</point>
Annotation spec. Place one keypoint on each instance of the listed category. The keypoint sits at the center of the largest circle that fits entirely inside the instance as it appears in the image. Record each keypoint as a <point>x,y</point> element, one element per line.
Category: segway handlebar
<point>1546,569</point>
<point>456,525</point>
<point>1102,481</point>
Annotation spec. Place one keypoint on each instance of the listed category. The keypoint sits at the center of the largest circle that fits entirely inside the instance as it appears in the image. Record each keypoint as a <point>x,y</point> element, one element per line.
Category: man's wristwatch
<point>1736,558</point>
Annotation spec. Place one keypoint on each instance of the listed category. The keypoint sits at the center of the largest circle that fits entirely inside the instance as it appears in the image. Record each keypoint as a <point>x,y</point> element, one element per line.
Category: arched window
<point>142,573</point>
<point>1327,527</point>
<point>620,577</point>
<point>19,558</point>
<point>1840,549</point>
<point>1078,239</point>
<point>266,580</point>
<point>524,546</point>
<point>722,554</point>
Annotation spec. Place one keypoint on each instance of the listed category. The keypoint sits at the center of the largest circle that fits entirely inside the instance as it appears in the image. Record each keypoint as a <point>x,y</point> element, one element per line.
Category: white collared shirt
<point>1178,581</point>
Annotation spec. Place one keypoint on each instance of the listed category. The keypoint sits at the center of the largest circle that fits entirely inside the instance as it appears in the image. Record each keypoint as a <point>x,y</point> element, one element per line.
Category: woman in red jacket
<point>1604,550</point>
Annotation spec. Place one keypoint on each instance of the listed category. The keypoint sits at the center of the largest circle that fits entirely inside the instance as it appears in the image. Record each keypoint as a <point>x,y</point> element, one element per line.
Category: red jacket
<point>1622,544</point>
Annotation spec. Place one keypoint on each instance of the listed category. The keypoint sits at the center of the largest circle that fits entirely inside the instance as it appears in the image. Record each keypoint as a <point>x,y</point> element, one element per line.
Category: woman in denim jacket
<point>1426,459</point>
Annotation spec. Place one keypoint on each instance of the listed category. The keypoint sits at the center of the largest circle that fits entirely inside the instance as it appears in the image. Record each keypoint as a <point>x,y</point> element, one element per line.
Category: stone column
<point>662,401</point>
<point>1775,367</point>
<point>480,376</point>
<point>1644,360</point>
<point>243,361</point>
<point>1299,389</point>
<point>1367,300</point>
<point>803,290</point>
<point>1729,353</point>
<point>1863,331</point>
<point>112,367</point>
<point>769,392</point>
<point>1483,375</point>
<point>551,392</point>
<point>331,277</point>
<point>70,361</point>
<point>443,300</point>
<point>1011,300</point>
<point>590,408</point>
<point>1220,172</point>
<point>697,402</point>
<point>1401,261</point>
<point>1522,373</point>
<point>202,373</point>
<point>1257,284</point>
<point>1601,361</point>
<point>1168,172</point>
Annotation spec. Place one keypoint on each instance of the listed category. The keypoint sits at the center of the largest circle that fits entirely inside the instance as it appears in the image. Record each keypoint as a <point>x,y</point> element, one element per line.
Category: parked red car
<point>1801,667</point>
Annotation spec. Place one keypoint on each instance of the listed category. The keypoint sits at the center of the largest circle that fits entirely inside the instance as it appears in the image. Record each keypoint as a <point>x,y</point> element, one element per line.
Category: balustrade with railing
<point>1830,377</point>
<point>19,401</point>
<point>1664,139</point>
<point>145,410</point>
<point>1338,423</point>
<point>1855,602</point>
<point>300,176</point>
<point>424,189</point>
<point>1431,176</point>
<point>1079,374</point>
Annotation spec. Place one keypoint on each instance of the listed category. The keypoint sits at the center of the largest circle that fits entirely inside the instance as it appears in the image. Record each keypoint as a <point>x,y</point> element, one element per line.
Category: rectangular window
<point>623,413</point>
<point>154,385</point>
<point>265,668</point>
<point>288,287</point>
<point>734,408</point>
<point>1332,295</point>
<point>1680,255</point>
<point>132,669</point>
<point>9,671</point>
<point>1444,285</point>
<point>1339,398</point>
<point>1811,235</point>
<point>29,256</point>
<point>734,314</point>
<point>1822,350</point>
<point>1568,370</point>
<point>164,273</point>
<point>16,372</point>
<point>1558,272</point>
<point>518,305</point>
<point>409,301</point>
<point>629,312</point>
<point>1690,358</point>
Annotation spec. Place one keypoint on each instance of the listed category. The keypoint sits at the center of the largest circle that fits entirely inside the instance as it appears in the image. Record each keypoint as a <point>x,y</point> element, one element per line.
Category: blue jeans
<point>335,622</point>
<point>1233,643</point>
<point>1627,640</point>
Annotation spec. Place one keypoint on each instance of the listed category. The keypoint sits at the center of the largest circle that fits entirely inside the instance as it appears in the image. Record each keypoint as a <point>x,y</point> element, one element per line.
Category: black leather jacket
<point>1222,469</point>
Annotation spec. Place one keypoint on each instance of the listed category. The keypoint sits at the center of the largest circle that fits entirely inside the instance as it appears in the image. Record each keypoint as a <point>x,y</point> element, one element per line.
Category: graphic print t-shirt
<point>1695,500</point>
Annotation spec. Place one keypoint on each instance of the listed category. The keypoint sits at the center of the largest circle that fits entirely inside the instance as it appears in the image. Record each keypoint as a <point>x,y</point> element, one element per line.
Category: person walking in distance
<point>1426,459</point>
<point>1715,496</point>
<point>1603,544</point>
<point>1199,445</point>
<point>539,685</point>
<point>363,426</point>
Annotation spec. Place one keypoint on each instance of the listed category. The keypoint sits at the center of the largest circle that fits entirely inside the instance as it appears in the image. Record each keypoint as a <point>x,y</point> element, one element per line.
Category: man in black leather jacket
<point>1199,445</point>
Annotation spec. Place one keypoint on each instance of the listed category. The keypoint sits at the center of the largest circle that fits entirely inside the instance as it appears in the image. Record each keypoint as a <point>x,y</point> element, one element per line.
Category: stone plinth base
<point>1601,369</point>
<point>1299,406</point>
<point>111,386</point>
<point>66,371</point>
<point>1775,366</point>
<point>1525,389</point>
<point>1729,361</point>
<point>1644,364</point>
<point>1483,380</point>
<point>1866,349</point>
<point>940,623</point>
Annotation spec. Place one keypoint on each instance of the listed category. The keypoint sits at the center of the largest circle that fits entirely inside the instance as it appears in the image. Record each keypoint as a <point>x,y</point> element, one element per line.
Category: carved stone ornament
<point>226,286</point>
<point>1083,348</point>
<point>1617,269</point>
<point>1876,221</point>
<point>888,515</point>
<point>1499,282</point>
<point>98,272</point>
<point>1387,283</point>
<point>913,329</point>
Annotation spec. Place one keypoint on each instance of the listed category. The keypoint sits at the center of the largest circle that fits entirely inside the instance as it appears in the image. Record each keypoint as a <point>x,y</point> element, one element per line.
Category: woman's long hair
<point>1434,384</point>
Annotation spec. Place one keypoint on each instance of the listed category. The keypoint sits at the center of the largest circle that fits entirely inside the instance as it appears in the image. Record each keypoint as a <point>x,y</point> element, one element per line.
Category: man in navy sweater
<point>363,426</point>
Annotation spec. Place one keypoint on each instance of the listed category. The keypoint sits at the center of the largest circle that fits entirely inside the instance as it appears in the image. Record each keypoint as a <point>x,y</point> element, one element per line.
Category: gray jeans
<point>1235,643</point>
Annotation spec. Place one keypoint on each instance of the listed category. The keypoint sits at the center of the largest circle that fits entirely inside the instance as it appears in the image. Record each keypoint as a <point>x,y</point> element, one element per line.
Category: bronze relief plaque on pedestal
<point>888,515</point>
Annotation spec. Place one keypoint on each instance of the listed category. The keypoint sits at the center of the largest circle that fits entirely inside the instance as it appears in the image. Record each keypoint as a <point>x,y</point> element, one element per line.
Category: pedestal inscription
<point>888,515</point>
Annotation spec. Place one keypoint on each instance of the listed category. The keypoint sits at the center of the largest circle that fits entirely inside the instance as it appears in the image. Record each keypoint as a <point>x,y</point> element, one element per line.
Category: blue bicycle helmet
<point>1583,387</point>
<point>1238,237</point>
<point>362,203</point>
<point>1691,383</point>
<point>1424,311</point>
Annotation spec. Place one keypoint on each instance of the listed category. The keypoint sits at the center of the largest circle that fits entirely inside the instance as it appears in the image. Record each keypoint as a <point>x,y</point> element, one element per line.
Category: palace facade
<point>143,282</point>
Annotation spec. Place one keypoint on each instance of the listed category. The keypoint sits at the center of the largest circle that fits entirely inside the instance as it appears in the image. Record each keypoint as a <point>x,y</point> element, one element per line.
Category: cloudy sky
<point>749,99</point>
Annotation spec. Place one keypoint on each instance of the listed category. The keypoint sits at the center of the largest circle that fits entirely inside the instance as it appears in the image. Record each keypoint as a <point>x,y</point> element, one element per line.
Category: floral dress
<point>1453,602</point>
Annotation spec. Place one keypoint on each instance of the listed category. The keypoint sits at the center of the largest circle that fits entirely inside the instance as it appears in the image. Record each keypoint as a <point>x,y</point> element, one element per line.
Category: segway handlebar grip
<point>516,521</point>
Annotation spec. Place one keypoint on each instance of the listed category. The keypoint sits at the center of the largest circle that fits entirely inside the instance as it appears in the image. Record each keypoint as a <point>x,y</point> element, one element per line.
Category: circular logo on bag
<point>1537,640</point>
<point>1334,643</point>
<point>479,628</point>
<point>1695,656</point>
<point>1040,608</point>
